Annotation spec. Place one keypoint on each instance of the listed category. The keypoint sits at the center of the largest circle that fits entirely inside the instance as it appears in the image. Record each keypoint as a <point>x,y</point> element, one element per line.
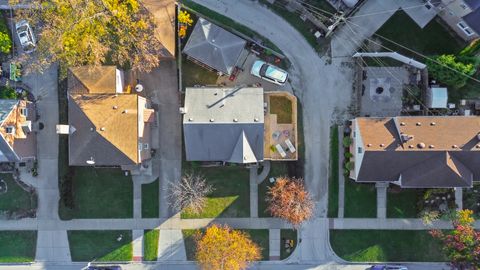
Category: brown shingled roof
<point>106,128</point>
<point>92,80</point>
<point>440,151</point>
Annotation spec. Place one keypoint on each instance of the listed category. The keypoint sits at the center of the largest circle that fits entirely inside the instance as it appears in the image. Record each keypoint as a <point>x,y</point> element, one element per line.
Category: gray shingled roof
<point>214,46</point>
<point>222,124</point>
<point>473,20</point>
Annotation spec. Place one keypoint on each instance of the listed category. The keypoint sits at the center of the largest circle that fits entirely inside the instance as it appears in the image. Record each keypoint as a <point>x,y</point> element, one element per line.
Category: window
<point>465,28</point>
<point>24,111</point>
<point>10,130</point>
<point>140,146</point>
<point>360,150</point>
<point>145,146</point>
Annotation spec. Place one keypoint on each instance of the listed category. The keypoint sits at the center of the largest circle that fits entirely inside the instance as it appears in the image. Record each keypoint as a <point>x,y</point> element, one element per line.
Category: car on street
<point>269,72</point>
<point>99,267</point>
<point>388,267</point>
<point>25,35</point>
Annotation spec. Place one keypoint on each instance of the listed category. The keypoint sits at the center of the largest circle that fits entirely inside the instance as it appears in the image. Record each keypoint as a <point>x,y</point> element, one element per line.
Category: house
<point>214,47</point>
<point>463,16</point>
<point>107,126</point>
<point>17,139</point>
<point>416,152</point>
<point>232,125</point>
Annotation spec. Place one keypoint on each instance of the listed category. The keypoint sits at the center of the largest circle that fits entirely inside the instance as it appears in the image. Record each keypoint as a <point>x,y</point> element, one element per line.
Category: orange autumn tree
<point>223,248</point>
<point>288,199</point>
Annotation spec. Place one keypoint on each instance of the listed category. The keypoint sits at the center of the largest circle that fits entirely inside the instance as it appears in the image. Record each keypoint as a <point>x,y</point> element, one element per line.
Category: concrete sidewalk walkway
<point>253,192</point>
<point>171,246</point>
<point>341,175</point>
<point>137,244</point>
<point>52,246</point>
<point>274,244</point>
<point>388,224</point>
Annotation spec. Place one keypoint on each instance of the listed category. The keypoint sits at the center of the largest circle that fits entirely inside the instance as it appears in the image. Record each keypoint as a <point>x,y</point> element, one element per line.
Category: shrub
<point>450,70</point>
<point>347,141</point>
<point>7,92</point>
<point>471,48</point>
<point>5,42</point>
<point>350,165</point>
<point>348,155</point>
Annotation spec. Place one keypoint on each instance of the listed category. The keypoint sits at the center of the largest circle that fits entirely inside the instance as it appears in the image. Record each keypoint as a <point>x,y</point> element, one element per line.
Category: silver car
<point>269,72</point>
<point>25,35</point>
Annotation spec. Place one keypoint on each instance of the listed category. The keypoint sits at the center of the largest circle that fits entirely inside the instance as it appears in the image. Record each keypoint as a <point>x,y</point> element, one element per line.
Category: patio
<point>280,137</point>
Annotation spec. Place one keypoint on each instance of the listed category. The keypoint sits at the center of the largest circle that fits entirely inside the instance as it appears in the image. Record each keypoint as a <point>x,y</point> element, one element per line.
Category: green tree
<point>450,70</point>
<point>79,32</point>
<point>5,43</point>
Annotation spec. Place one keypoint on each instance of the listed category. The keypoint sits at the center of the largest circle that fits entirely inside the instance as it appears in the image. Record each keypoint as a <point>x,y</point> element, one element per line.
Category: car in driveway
<point>25,35</point>
<point>269,72</point>
<point>388,267</point>
<point>101,267</point>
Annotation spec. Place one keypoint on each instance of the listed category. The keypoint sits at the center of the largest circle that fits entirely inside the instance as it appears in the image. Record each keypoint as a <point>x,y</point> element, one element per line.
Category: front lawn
<point>434,39</point>
<point>17,246</point>
<point>282,107</point>
<point>277,169</point>
<point>100,193</point>
<point>287,234</point>
<point>231,194</point>
<point>402,203</point>
<point>150,245</point>
<point>260,237</point>
<point>100,245</point>
<point>16,199</point>
<point>360,200</point>
<point>386,245</point>
<point>150,199</point>
<point>333,177</point>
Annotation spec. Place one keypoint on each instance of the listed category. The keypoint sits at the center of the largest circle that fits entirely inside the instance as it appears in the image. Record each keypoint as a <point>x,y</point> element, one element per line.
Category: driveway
<point>325,93</point>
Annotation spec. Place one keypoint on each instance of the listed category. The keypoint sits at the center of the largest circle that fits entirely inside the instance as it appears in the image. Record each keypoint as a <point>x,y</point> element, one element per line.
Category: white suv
<point>269,72</point>
<point>25,35</point>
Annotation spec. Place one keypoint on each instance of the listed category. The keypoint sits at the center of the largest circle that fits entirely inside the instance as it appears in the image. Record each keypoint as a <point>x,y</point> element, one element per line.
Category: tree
<point>185,21</point>
<point>450,70</point>
<point>189,193</point>
<point>288,199</point>
<point>94,32</point>
<point>462,244</point>
<point>5,42</point>
<point>222,248</point>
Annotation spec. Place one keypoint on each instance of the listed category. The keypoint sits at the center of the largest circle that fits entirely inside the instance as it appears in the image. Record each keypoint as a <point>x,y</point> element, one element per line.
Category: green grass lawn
<point>193,74</point>
<point>100,245</point>
<point>282,107</point>
<point>231,194</point>
<point>150,199</point>
<point>385,245</point>
<point>360,200</point>
<point>15,199</point>
<point>150,245</point>
<point>100,193</point>
<point>260,237</point>
<point>333,177</point>
<point>277,168</point>
<point>434,39</point>
<point>17,246</point>
<point>403,204</point>
<point>290,235</point>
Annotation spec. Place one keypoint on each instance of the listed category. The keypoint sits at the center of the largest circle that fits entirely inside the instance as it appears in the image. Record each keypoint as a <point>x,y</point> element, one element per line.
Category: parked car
<point>25,35</point>
<point>269,72</point>
<point>98,267</point>
<point>388,267</point>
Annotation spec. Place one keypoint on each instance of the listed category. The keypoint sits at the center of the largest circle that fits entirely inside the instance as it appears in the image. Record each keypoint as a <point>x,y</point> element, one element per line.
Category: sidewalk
<point>388,224</point>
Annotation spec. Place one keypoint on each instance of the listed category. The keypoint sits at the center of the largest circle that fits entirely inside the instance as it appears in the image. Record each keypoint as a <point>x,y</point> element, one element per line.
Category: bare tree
<point>189,193</point>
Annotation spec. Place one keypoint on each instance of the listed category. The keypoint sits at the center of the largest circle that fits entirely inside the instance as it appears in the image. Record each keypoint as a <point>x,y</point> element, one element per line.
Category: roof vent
<point>92,129</point>
<point>406,138</point>
<point>102,128</point>
<point>402,124</point>
<point>382,145</point>
<point>115,107</point>
<point>478,146</point>
<point>368,145</point>
<point>125,111</point>
<point>433,124</point>
<point>454,146</point>
<point>421,145</point>
<point>418,124</point>
<point>255,119</point>
<point>212,120</point>
<point>190,119</point>
<point>235,120</point>
<point>431,146</point>
<point>410,146</point>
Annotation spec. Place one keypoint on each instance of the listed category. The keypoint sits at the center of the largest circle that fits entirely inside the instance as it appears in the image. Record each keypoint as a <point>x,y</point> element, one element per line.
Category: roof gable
<point>242,153</point>
<point>92,80</point>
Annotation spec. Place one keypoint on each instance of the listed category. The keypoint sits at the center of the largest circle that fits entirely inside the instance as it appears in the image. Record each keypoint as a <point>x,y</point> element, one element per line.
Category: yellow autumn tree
<point>223,248</point>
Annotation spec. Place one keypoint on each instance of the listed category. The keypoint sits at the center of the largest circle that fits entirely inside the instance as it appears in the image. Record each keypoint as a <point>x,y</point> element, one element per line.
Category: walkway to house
<point>388,224</point>
<point>341,175</point>
<point>171,246</point>
<point>382,199</point>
